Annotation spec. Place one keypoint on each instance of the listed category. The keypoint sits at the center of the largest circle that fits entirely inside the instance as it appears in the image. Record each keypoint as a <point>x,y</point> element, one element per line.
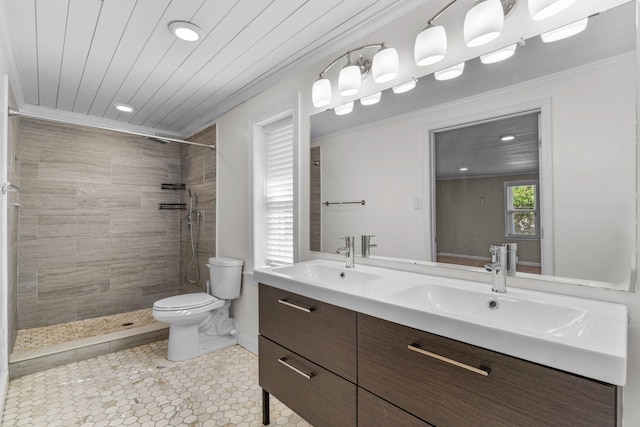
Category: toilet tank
<point>226,277</point>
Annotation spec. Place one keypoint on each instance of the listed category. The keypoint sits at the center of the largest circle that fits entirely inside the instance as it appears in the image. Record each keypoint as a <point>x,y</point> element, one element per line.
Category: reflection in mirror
<point>487,191</point>
<point>381,154</point>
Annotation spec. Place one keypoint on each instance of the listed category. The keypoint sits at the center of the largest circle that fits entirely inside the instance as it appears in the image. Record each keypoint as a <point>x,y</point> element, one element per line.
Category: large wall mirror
<point>408,170</point>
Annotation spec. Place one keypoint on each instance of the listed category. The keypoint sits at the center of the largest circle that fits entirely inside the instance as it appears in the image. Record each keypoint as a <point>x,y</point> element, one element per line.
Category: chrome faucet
<point>348,249</point>
<point>498,268</point>
<point>366,245</point>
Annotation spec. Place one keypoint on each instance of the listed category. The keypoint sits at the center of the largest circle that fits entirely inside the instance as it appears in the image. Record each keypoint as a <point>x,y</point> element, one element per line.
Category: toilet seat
<point>187,302</point>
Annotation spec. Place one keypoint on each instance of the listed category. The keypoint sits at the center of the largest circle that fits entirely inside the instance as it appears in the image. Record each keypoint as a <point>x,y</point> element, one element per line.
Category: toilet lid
<point>184,302</point>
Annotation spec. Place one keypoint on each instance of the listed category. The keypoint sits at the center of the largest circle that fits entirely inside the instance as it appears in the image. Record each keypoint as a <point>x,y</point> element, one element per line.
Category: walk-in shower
<point>192,224</point>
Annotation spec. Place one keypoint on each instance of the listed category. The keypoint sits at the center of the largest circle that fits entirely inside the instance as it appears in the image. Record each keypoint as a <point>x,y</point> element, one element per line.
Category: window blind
<point>279,192</point>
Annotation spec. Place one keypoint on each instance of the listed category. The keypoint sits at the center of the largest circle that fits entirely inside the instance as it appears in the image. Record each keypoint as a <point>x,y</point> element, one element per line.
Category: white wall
<point>234,210</point>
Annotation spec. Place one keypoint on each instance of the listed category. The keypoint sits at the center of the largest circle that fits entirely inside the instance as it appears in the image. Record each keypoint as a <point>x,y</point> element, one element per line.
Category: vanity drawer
<point>324,399</point>
<point>318,331</point>
<point>376,412</point>
<point>514,393</point>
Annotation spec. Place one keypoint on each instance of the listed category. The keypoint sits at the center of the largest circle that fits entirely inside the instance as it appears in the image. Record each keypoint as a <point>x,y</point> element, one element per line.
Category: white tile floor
<point>139,387</point>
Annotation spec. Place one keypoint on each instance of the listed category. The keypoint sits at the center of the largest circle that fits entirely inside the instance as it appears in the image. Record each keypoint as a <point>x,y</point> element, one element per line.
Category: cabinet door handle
<point>482,370</point>
<point>284,361</point>
<point>298,307</point>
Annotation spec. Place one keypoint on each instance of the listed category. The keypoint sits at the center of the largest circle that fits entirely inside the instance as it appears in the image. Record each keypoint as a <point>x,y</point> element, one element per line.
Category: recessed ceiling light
<point>508,137</point>
<point>124,108</point>
<point>185,30</point>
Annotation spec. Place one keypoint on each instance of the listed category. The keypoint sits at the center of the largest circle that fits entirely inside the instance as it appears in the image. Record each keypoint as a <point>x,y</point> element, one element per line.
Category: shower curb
<point>30,361</point>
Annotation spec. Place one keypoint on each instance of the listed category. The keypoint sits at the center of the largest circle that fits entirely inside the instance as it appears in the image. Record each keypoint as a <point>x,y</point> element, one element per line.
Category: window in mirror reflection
<point>522,209</point>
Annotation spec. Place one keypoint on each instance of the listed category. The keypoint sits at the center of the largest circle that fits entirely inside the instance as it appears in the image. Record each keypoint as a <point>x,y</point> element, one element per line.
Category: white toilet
<point>200,322</point>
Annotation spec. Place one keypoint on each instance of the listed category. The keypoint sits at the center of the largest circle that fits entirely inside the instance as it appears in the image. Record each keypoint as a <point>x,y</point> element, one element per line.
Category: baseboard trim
<point>249,344</point>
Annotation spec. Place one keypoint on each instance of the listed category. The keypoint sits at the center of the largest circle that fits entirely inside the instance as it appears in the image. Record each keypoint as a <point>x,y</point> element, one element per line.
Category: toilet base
<point>192,344</point>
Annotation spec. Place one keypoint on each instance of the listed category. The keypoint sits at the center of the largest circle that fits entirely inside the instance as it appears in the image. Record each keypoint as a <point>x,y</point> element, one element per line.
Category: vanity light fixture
<point>343,109</point>
<point>186,31</point>
<point>124,108</point>
<point>450,73</point>
<point>406,86</point>
<point>374,98</point>
<point>499,55</point>
<point>565,32</point>
<point>384,67</point>
<point>543,9</point>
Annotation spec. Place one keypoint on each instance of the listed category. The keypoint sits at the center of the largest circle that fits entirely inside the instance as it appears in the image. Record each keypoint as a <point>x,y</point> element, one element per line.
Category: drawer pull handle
<point>283,360</point>
<point>288,304</point>
<point>482,370</point>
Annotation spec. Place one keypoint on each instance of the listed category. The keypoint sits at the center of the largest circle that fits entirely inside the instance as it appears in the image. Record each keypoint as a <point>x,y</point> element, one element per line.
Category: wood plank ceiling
<point>83,56</point>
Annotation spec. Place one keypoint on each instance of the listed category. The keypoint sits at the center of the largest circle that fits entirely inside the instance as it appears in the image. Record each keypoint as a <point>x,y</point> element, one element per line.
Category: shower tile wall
<point>92,241</point>
<point>198,173</point>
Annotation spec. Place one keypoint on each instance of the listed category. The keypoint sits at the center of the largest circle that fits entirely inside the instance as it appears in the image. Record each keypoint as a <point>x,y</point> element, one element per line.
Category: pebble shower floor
<point>139,387</point>
<point>30,339</point>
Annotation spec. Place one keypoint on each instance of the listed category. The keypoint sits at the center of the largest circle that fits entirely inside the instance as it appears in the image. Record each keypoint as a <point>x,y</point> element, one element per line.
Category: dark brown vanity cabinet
<point>336,367</point>
<point>308,356</point>
<point>450,383</point>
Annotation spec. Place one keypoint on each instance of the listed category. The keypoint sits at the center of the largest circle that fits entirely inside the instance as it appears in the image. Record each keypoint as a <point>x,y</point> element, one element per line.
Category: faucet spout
<point>498,268</point>
<point>348,250</point>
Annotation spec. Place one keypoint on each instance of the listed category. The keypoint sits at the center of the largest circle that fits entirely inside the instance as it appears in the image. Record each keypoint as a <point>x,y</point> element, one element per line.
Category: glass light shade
<point>450,73</point>
<point>499,55</point>
<point>431,45</point>
<point>483,23</point>
<point>565,32</point>
<point>405,87</point>
<point>371,99</point>
<point>385,65</point>
<point>343,109</point>
<point>349,80</point>
<point>543,9</point>
<point>321,92</point>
